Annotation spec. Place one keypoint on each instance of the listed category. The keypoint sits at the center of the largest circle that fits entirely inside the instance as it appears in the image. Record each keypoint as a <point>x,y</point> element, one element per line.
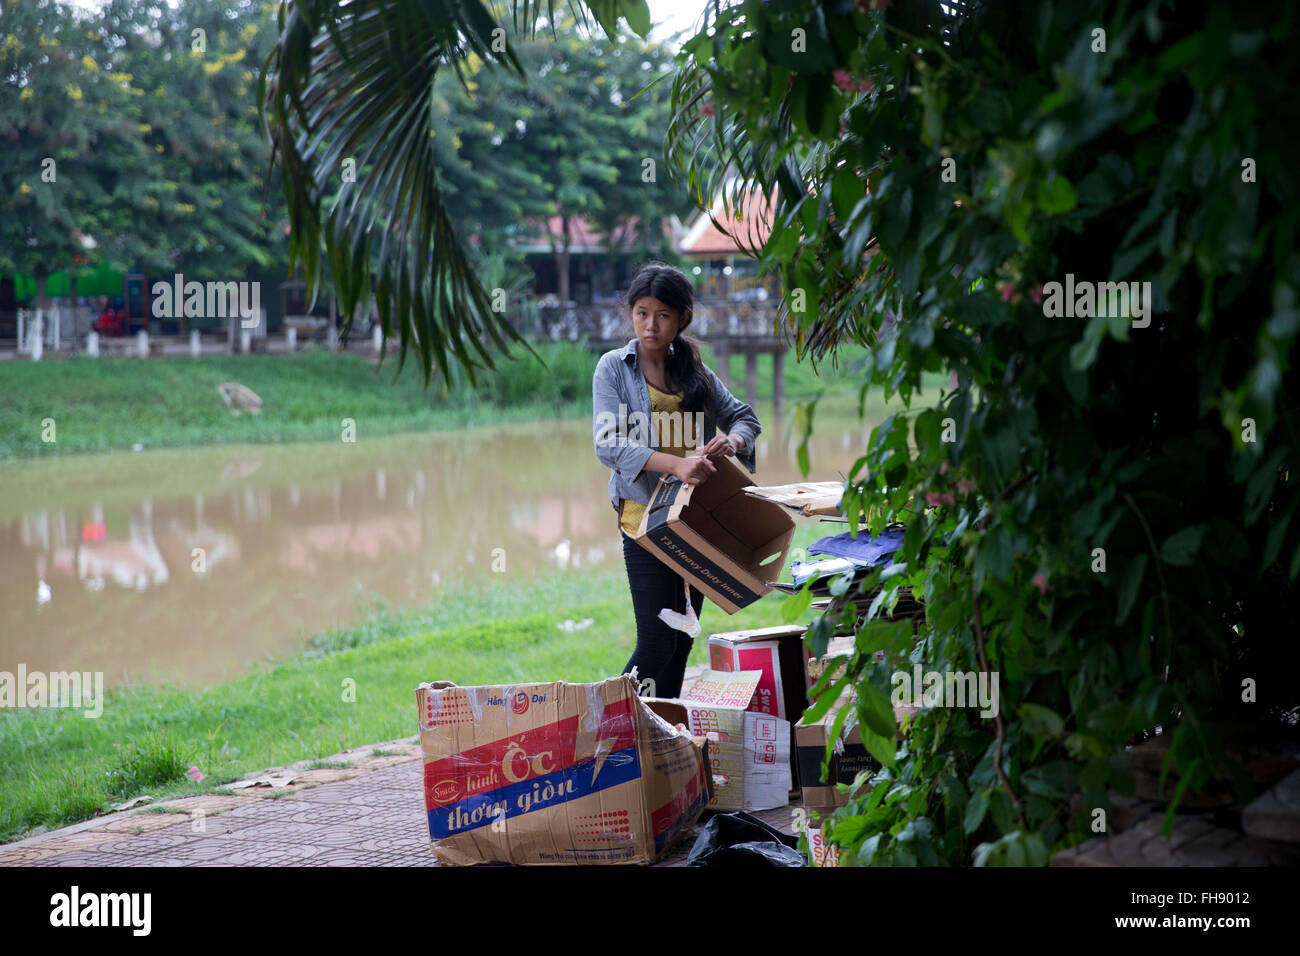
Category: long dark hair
<point>684,369</point>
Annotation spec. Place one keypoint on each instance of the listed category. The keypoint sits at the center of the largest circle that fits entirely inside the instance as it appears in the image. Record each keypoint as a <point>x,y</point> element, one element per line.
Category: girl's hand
<point>694,470</point>
<point>722,446</point>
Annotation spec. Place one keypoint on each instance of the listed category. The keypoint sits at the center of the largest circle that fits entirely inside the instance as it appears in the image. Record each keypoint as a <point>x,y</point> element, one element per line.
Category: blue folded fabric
<point>864,550</point>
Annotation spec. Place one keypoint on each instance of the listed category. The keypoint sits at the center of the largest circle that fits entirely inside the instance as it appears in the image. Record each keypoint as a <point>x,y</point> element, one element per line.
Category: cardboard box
<point>838,647</point>
<point>822,851</point>
<point>780,654</point>
<point>555,773</point>
<point>850,757</point>
<point>729,545</point>
<point>752,751</point>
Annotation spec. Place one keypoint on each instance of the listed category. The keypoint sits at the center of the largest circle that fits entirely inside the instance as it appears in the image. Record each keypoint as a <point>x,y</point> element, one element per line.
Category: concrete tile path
<point>369,814</point>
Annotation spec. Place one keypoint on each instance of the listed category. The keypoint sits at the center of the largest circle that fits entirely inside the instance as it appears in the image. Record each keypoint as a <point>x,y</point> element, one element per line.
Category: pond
<point>184,565</point>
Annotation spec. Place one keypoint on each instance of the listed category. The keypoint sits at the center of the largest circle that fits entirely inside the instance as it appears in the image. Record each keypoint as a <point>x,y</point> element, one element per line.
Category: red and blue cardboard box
<point>556,773</point>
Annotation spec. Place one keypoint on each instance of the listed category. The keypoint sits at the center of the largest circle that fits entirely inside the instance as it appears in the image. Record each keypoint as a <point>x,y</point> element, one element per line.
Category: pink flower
<point>1008,291</point>
<point>965,487</point>
<point>866,6</point>
<point>1039,581</point>
<point>866,86</point>
<point>946,498</point>
<point>1037,295</point>
<point>842,79</point>
<point>195,774</point>
<point>707,109</point>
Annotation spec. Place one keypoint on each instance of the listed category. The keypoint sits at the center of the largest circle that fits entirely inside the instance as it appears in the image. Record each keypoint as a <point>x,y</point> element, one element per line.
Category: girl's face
<point>656,323</point>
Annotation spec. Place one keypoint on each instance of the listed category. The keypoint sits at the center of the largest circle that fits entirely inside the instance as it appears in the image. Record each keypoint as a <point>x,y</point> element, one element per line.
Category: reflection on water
<point>185,565</point>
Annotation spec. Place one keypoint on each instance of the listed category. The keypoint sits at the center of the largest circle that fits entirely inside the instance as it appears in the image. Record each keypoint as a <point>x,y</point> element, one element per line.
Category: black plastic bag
<point>741,840</point>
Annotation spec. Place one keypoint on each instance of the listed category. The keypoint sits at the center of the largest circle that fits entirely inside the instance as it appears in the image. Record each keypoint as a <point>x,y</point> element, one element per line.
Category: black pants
<point>661,651</point>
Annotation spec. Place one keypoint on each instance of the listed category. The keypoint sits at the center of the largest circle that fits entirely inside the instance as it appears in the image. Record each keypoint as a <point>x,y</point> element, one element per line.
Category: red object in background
<point>93,531</point>
<point>111,322</point>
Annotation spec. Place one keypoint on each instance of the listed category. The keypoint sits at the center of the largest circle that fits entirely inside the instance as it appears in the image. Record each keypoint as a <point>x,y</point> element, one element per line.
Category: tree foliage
<point>147,112</point>
<point>568,136</point>
<point>355,81</point>
<point>1100,511</point>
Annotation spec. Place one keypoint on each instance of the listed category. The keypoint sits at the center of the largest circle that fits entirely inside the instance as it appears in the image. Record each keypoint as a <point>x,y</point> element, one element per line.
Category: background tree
<point>201,202</point>
<point>158,157</point>
<point>357,81</point>
<point>69,129</point>
<point>567,137</point>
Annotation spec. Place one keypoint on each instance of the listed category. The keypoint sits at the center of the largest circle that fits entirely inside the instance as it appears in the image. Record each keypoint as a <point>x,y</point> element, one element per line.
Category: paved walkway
<point>369,814</point>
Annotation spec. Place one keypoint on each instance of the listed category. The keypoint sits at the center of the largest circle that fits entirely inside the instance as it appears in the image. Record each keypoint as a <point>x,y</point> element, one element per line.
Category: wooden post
<point>291,340</point>
<point>92,344</point>
<point>751,378</point>
<point>142,344</point>
<point>196,346</point>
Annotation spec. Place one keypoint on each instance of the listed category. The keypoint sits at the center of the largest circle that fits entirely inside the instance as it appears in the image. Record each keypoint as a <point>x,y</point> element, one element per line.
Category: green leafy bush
<point>1100,510</point>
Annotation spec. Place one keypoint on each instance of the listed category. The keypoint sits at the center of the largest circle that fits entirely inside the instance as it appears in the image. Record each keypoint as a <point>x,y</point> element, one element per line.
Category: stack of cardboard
<point>750,750</point>
<point>780,654</point>
<point>850,757</point>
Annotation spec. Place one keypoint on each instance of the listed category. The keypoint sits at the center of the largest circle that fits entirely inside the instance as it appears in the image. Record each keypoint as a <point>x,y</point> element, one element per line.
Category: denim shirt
<point>618,390</point>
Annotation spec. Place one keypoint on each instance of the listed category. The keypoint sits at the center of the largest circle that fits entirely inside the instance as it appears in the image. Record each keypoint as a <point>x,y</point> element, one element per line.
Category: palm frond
<point>353,80</point>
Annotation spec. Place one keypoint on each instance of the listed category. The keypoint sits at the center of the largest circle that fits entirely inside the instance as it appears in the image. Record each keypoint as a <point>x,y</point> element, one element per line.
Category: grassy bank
<point>114,404</point>
<point>59,767</point>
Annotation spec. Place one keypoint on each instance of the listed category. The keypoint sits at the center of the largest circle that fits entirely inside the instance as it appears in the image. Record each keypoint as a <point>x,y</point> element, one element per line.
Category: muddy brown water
<point>184,565</point>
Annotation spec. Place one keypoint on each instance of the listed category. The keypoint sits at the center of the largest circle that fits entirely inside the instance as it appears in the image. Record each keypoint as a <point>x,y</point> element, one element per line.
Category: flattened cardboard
<point>751,758</point>
<point>727,544</point>
<point>555,773</point>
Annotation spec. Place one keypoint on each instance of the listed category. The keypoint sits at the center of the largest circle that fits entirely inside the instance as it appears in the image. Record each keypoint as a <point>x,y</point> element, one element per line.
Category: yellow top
<point>630,511</point>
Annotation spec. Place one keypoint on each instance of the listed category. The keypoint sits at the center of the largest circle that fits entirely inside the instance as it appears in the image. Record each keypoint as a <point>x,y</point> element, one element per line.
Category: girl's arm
<point>609,424</point>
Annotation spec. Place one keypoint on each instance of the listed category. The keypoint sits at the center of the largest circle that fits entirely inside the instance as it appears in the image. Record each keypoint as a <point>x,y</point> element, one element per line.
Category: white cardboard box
<point>752,751</point>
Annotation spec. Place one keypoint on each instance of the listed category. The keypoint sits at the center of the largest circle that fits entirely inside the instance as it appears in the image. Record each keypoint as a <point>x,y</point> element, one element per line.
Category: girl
<point>659,375</point>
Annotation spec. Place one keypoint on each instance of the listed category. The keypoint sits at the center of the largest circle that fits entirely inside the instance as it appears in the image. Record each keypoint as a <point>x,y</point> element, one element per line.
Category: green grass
<point>113,404</point>
<point>58,767</point>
